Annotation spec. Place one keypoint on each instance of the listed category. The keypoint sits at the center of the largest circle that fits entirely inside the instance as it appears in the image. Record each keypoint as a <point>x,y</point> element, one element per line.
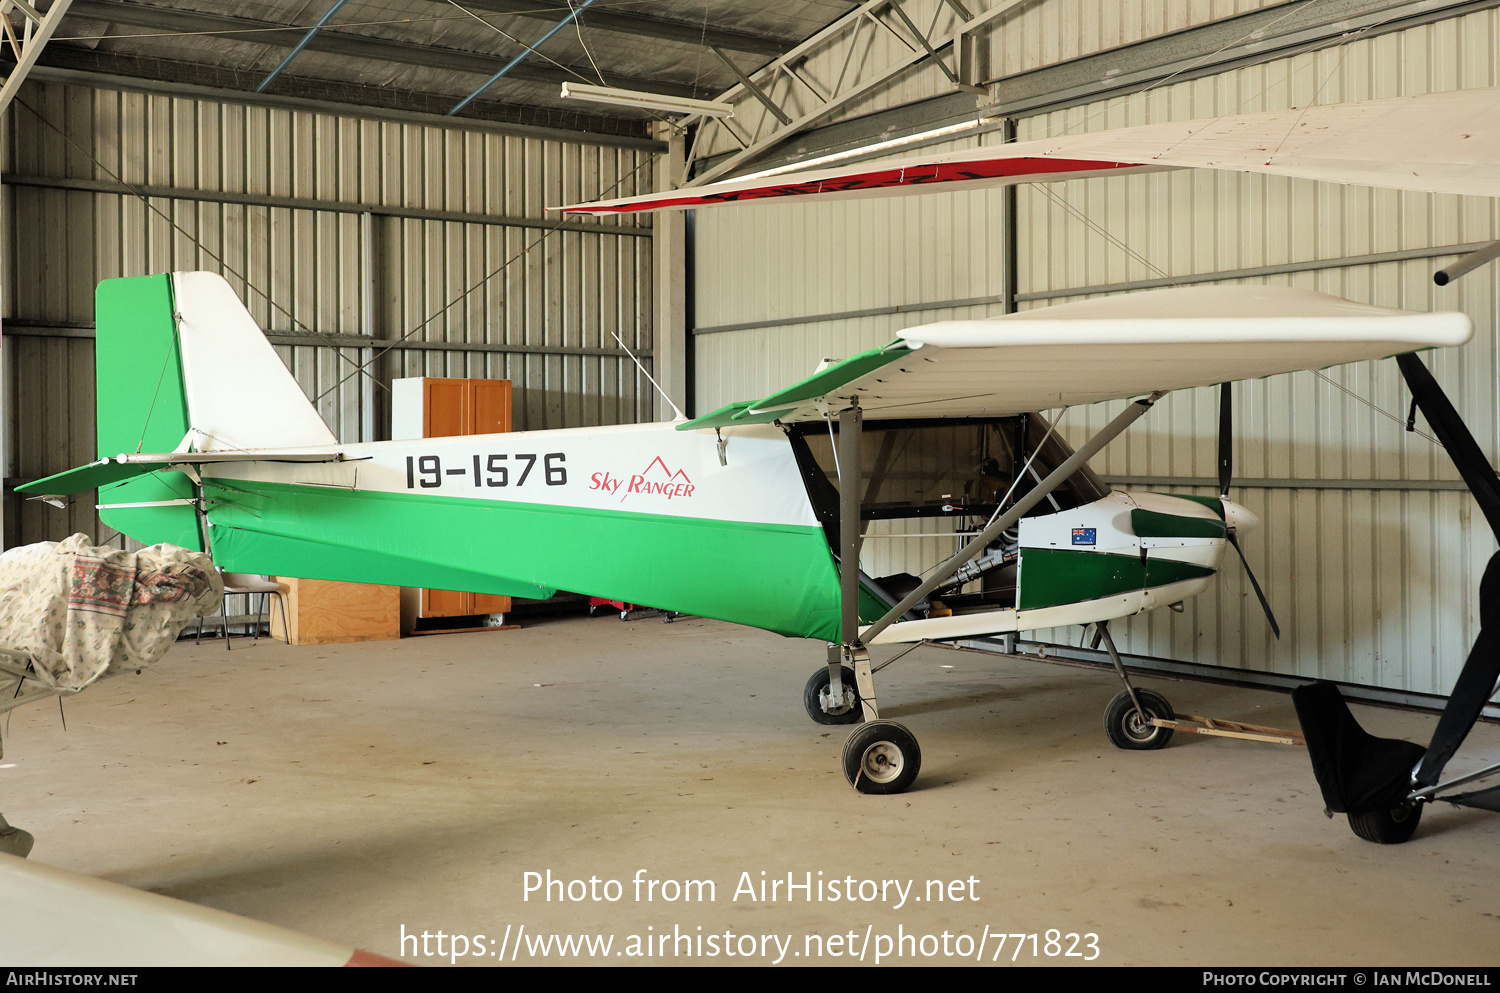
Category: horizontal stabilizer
<point>128,466</point>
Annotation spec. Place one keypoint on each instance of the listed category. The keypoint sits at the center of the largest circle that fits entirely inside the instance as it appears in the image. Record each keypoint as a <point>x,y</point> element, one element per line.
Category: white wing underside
<point>1113,348</point>
<point>1441,143</point>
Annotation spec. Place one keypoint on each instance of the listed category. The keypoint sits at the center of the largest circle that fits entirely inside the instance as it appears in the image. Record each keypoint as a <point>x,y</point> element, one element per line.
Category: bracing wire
<point>363,367</point>
<point>249,286</point>
<point>360,368</point>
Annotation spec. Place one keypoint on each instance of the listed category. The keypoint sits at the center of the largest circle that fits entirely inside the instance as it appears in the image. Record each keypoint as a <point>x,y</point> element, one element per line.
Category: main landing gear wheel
<point>881,757</point>
<point>1387,827</point>
<point>1128,729</point>
<point>815,692</point>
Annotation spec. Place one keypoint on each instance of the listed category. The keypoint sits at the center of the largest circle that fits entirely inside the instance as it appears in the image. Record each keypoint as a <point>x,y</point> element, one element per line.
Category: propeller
<point>1234,514</point>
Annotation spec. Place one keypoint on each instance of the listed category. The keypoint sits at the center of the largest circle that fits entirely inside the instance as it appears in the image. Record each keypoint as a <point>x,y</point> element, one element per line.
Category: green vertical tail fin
<point>141,406</point>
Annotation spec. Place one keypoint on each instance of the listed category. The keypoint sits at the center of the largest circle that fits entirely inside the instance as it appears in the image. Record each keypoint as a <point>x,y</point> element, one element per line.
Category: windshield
<point>962,469</point>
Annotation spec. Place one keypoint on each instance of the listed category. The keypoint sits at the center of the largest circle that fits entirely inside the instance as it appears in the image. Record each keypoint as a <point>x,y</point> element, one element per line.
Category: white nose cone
<point>1239,520</point>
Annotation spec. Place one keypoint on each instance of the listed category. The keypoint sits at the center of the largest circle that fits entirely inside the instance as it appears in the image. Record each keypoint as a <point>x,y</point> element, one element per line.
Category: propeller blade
<point>1226,476</point>
<point>1264,604</point>
<point>1226,440</point>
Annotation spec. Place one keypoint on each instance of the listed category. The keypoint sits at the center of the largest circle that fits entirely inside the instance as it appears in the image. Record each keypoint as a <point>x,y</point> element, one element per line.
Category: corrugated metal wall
<point>1043,34</point>
<point>456,257</point>
<point>1370,558</point>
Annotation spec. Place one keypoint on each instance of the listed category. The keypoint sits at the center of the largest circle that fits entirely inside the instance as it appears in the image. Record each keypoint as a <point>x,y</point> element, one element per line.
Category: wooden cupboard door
<point>444,603</point>
<point>488,603</point>
<point>453,407</point>
<point>452,603</point>
<point>445,408</point>
<point>489,406</point>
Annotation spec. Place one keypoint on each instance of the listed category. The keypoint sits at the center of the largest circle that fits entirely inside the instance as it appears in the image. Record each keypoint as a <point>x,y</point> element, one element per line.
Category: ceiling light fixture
<point>653,101</point>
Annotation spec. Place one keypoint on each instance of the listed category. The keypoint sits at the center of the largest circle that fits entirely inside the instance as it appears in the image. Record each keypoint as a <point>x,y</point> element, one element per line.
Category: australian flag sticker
<point>1085,536</point>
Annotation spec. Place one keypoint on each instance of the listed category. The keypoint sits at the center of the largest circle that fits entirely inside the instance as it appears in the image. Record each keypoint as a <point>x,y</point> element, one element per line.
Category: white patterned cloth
<point>79,612</point>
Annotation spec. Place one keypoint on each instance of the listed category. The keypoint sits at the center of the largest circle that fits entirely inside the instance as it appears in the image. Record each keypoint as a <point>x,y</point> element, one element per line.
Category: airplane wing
<point>1104,349</point>
<point>115,469</point>
<point>1440,143</point>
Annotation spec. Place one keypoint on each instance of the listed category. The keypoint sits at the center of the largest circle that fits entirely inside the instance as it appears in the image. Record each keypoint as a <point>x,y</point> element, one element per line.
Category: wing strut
<point>849,461</point>
<point>883,756</point>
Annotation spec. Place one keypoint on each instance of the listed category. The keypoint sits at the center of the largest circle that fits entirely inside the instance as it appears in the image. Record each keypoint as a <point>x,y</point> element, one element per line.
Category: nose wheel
<point>1130,727</point>
<point>1128,718</point>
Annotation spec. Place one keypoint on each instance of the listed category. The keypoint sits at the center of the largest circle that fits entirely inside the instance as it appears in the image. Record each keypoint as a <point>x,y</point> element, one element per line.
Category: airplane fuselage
<point>648,514</point>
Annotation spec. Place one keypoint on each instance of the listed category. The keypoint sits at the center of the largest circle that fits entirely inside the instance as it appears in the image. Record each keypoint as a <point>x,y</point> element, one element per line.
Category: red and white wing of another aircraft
<point>1437,143</point>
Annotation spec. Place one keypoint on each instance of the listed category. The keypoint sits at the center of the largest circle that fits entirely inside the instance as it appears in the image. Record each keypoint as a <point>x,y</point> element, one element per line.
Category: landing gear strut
<point>879,756</point>
<point>1128,720</point>
<point>882,756</point>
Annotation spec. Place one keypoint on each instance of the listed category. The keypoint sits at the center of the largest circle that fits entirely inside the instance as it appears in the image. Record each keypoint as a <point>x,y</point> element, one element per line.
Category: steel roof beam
<point>922,40</point>
<point>350,46</point>
<point>758,93</point>
<point>300,45</point>
<point>572,13</point>
<point>36,30</point>
<point>844,35</point>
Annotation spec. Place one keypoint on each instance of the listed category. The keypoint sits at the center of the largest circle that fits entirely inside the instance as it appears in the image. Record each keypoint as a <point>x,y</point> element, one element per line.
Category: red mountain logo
<point>659,471</point>
<point>657,479</point>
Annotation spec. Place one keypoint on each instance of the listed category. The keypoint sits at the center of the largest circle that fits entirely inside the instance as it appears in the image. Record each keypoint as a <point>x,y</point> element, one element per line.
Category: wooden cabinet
<point>441,408</point>
<point>325,613</point>
<point>455,406</point>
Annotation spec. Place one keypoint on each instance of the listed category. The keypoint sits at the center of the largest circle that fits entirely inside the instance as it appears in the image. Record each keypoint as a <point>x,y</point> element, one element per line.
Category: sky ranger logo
<point>656,480</point>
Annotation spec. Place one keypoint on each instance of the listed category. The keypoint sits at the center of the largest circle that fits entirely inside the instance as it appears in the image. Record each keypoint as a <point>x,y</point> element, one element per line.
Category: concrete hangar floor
<point>363,793</point>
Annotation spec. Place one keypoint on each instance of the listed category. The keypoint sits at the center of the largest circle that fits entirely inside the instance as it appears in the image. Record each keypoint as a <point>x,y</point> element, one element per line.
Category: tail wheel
<point>881,757</point>
<point>1387,827</point>
<point>1132,729</point>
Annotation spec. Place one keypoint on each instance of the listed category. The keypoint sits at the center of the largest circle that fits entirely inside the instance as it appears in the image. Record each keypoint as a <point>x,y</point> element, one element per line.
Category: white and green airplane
<point>206,441</point>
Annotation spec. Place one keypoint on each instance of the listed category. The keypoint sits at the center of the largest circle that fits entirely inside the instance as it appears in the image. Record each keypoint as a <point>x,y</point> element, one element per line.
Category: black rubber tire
<point>1387,827</point>
<point>1125,730</point>
<point>881,757</point>
<point>812,693</point>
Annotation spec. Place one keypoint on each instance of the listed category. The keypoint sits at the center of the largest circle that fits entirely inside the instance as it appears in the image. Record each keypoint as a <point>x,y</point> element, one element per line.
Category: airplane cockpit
<point>926,485</point>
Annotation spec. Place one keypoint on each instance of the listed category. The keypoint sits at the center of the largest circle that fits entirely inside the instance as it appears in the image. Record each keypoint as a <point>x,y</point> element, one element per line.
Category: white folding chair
<point>247,585</point>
